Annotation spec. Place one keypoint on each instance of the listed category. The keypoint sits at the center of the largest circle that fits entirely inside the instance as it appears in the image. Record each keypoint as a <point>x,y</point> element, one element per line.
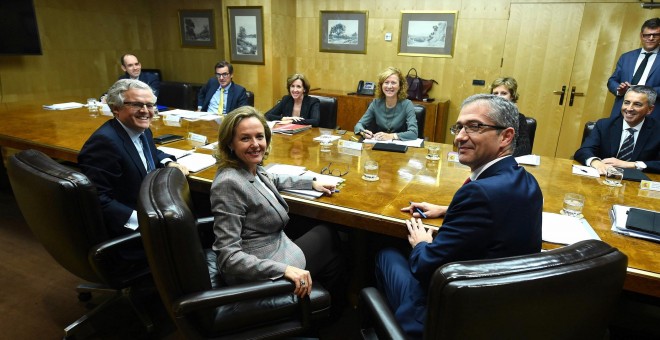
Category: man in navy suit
<point>133,70</point>
<point>497,213</point>
<point>629,65</point>
<point>233,95</point>
<point>120,153</point>
<point>605,147</point>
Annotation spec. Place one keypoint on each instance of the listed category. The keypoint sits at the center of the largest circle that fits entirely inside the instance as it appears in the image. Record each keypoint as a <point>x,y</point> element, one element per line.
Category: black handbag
<point>418,88</point>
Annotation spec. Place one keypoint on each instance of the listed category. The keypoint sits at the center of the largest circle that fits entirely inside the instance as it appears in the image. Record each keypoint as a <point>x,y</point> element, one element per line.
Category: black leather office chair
<point>155,71</point>
<point>531,130</point>
<point>250,98</point>
<point>588,127</point>
<point>188,281</point>
<point>62,209</point>
<point>328,112</point>
<point>420,113</point>
<point>566,293</point>
<point>177,95</point>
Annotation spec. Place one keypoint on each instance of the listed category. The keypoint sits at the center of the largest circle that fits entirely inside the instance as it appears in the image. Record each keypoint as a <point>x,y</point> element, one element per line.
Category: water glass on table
<point>370,172</point>
<point>326,141</point>
<point>433,152</point>
<point>573,204</point>
<point>93,107</point>
<point>613,176</point>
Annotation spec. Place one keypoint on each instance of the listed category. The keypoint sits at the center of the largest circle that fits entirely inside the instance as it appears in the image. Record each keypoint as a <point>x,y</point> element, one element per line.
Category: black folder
<point>644,220</point>
<point>167,138</point>
<point>634,175</point>
<point>390,147</point>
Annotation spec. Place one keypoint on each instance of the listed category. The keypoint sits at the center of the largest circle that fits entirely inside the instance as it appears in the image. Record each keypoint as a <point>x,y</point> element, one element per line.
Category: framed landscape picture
<point>246,34</point>
<point>197,28</point>
<point>428,34</point>
<point>343,32</point>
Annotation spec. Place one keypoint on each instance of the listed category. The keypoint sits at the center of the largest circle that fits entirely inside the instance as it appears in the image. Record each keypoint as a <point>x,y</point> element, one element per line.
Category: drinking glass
<point>325,142</point>
<point>370,171</point>
<point>573,204</point>
<point>92,107</point>
<point>613,176</point>
<point>433,152</point>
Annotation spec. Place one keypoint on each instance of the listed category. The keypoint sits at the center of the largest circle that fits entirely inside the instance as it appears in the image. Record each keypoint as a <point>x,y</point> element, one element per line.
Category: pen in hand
<point>419,211</point>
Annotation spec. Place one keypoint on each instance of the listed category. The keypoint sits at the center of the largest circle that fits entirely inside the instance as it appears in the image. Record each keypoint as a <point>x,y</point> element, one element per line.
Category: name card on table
<point>194,137</point>
<point>349,145</point>
<point>649,185</point>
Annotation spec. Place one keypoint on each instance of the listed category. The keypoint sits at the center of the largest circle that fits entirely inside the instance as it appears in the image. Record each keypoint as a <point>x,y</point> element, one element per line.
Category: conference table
<point>372,207</point>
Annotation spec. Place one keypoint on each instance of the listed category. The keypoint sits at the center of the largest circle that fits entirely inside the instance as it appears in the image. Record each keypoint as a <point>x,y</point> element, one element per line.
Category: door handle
<point>573,95</point>
<point>562,93</point>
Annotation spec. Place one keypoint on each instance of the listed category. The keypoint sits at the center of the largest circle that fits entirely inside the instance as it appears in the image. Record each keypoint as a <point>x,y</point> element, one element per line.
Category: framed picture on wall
<point>427,34</point>
<point>343,32</point>
<point>197,28</point>
<point>246,34</point>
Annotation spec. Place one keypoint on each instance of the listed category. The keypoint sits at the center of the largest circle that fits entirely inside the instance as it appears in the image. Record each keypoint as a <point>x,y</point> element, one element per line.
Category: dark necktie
<point>147,153</point>
<point>640,69</point>
<point>626,151</point>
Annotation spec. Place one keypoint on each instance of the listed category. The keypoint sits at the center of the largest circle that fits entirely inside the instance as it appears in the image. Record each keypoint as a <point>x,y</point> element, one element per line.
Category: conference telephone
<point>366,88</point>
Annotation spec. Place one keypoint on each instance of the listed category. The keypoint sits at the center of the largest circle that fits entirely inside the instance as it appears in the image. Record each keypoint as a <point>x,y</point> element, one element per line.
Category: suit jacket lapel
<point>643,137</point>
<point>129,147</point>
<point>615,137</point>
<point>654,67</point>
<point>264,177</point>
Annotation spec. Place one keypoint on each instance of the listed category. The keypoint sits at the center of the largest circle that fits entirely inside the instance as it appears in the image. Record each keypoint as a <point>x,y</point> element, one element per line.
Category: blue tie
<point>147,153</point>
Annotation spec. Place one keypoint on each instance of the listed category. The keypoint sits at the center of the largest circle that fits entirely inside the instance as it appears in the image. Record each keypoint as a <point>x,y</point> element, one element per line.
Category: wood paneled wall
<point>82,42</point>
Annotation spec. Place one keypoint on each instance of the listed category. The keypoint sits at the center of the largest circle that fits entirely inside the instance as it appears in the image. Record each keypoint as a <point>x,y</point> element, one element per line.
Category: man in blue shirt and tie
<point>220,94</point>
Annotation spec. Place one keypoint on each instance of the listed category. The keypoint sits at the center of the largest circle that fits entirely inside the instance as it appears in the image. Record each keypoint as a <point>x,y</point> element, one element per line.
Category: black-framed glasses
<point>139,105</point>
<point>338,170</point>
<point>472,128</point>
<point>651,35</point>
<point>222,75</point>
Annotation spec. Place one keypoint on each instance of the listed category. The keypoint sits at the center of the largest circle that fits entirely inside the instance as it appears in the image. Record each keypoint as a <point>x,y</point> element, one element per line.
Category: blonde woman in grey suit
<point>250,215</point>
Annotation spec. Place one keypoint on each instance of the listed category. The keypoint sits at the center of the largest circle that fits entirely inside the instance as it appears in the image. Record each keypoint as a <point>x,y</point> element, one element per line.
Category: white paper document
<point>566,229</point>
<point>197,161</point>
<point>178,153</point>
<point>416,143</point>
<point>285,169</point>
<point>529,159</point>
<point>619,217</point>
<point>64,106</point>
<point>585,171</point>
<point>190,115</point>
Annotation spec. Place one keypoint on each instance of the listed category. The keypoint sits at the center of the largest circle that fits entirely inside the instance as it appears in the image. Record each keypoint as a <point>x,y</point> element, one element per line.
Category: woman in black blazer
<point>507,88</point>
<point>297,106</point>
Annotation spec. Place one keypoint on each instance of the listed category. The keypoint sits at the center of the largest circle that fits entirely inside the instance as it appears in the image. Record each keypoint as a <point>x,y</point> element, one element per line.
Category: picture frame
<point>428,33</point>
<point>343,32</point>
<point>246,34</point>
<point>197,28</point>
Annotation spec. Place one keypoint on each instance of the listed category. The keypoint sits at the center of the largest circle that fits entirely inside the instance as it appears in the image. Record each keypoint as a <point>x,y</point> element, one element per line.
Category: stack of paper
<point>566,229</point>
<point>415,143</point>
<point>290,129</point>
<point>293,170</point>
<point>190,159</point>
<point>64,106</point>
<point>619,217</point>
<point>529,159</point>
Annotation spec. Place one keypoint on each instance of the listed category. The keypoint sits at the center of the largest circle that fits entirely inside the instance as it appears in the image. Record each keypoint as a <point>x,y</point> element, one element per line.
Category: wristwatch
<point>640,165</point>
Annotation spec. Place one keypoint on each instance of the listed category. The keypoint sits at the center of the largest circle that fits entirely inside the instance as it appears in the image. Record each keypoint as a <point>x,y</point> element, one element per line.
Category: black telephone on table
<point>366,88</point>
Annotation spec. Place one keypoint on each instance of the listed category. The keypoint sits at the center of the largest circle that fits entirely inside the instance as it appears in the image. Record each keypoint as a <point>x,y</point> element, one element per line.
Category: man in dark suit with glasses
<point>221,95</point>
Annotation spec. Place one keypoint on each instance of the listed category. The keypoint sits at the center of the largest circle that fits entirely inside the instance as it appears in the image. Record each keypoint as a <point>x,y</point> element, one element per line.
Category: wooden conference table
<point>370,206</point>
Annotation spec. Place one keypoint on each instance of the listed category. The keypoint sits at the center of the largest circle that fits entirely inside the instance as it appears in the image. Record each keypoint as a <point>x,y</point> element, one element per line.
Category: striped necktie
<point>147,153</point>
<point>626,151</point>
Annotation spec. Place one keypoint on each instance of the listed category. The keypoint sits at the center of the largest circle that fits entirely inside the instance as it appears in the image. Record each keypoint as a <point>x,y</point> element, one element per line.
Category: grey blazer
<point>249,225</point>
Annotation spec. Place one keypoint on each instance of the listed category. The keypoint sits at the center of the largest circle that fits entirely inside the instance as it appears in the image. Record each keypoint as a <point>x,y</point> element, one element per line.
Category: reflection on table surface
<point>371,206</point>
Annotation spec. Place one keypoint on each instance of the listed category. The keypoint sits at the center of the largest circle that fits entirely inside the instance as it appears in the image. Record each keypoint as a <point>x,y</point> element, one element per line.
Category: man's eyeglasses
<point>651,35</point>
<point>222,75</point>
<point>472,128</point>
<point>139,106</point>
<point>338,171</point>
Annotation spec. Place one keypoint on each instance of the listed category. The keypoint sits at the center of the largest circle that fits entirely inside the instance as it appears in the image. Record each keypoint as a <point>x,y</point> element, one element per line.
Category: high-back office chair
<point>177,95</point>
<point>565,293</point>
<point>420,113</point>
<point>531,130</point>
<point>588,127</point>
<point>62,209</point>
<point>188,281</point>
<point>155,71</point>
<point>328,111</point>
<point>250,98</point>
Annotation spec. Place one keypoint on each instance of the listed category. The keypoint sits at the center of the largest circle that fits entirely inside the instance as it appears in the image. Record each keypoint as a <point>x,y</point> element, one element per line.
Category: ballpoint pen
<point>419,211</point>
<point>576,167</point>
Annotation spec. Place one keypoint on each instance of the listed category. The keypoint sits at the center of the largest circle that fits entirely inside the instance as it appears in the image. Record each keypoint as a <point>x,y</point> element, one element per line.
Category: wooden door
<point>539,52</point>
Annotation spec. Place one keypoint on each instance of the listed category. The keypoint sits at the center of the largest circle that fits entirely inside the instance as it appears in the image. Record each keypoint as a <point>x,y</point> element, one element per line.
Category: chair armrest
<point>376,314</point>
<point>113,266</point>
<point>226,295</point>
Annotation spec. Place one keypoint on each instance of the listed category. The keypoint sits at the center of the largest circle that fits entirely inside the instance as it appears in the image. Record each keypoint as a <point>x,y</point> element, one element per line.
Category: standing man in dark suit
<point>118,155</point>
<point>638,67</point>
<point>133,70</point>
<point>606,145</point>
<point>220,94</point>
<point>497,213</point>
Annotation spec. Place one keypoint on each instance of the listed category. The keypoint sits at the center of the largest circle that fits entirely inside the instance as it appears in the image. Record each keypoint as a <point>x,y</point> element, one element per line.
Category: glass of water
<point>613,176</point>
<point>573,204</point>
<point>370,171</point>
